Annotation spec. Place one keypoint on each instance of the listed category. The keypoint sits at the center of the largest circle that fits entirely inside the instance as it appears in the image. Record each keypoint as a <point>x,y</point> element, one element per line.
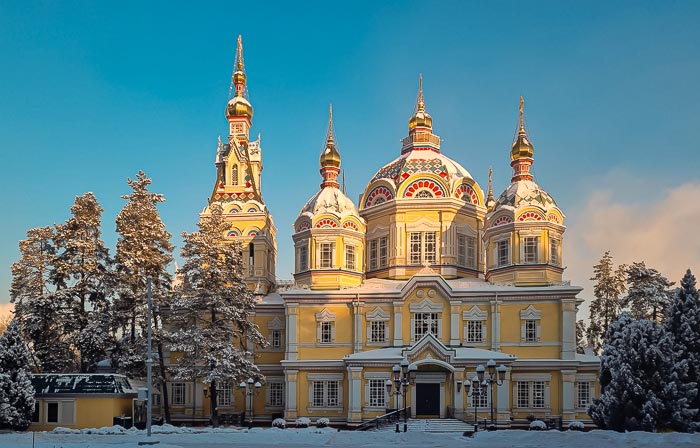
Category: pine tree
<point>633,377</point>
<point>647,293</point>
<point>580,336</point>
<point>82,270</point>
<point>143,249</point>
<point>214,309</point>
<point>609,286</point>
<point>16,391</point>
<point>683,324</point>
<point>33,292</point>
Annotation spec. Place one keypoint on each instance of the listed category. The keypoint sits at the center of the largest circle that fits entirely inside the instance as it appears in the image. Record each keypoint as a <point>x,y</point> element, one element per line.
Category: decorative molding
<point>530,313</point>
<point>475,314</point>
<point>275,324</point>
<point>377,314</point>
<point>325,316</point>
<point>426,306</point>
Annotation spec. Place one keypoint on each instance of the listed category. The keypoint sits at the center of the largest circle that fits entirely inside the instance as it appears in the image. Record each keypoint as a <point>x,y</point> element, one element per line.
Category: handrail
<point>386,418</point>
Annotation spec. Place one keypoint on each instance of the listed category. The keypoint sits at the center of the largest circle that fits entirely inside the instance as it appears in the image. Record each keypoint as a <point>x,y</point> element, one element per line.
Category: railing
<point>386,419</point>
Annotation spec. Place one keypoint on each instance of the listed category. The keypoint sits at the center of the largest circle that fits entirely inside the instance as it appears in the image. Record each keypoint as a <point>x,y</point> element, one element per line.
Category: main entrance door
<point>427,399</point>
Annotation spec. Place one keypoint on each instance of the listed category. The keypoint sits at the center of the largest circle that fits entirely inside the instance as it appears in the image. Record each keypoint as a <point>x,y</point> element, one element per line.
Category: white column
<point>355,392</point>
<point>503,399</point>
<point>290,405</point>
<point>398,322</point>
<point>568,378</point>
<point>291,327</point>
<point>568,329</point>
<point>495,324</point>
<point>357,316</point>
<point>458,402</point>
<point>442,399</point>
<point>454,323</point>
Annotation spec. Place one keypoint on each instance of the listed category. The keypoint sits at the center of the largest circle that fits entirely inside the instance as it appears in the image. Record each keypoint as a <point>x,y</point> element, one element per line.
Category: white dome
<point>414,162</point>
<point>522,194</point>
<point>329,200</point>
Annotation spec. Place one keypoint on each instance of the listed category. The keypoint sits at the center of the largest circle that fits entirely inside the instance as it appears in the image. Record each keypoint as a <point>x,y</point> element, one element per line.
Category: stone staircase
<point>431,425</point>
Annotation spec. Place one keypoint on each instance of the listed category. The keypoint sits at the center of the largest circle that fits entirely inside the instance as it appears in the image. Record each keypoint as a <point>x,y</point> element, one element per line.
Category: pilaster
<point>290,406</point>
<point>398,324</point>
<point>355,392</point>
<point>568,379</point>
<point>291,318</point>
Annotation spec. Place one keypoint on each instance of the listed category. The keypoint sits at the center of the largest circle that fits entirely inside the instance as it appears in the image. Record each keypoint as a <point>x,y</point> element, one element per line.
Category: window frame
<point>224,394</point>
<point>426,322</point>
<point>326,255</point>
<point>275,394</point>
<point>350,257</point>
<point>531,246</point>
<point>182,388</point>
<point>503,252</point>
<point>326,333</point>
<point>554,245</point>
<point>475,331</point>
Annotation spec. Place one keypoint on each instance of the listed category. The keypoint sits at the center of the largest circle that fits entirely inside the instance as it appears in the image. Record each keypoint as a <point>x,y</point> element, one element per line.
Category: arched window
<point>424,194</point>
<point>234,175</point>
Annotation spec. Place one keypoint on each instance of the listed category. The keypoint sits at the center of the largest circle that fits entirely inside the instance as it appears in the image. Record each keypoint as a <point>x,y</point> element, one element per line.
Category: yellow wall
<point>89,412</point>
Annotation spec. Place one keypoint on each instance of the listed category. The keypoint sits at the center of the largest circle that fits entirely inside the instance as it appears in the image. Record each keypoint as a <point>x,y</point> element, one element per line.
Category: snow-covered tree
<point>143,249</point>
<point>580,336</point>
<point>608,289</point>
<point>647,292</point>
<point>81,271</point>
<point>683,324</point>
<point>16,391</point>
<point>33,292</point>
<point>633,377</point>
<point>214,310</point>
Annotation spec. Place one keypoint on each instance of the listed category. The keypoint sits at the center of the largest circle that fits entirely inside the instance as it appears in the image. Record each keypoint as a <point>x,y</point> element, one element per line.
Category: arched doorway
<point>431,392</point>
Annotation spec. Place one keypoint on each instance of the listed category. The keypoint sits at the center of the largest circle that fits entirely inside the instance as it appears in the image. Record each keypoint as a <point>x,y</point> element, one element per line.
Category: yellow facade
<point>426,268</point>
<point>82,412</point>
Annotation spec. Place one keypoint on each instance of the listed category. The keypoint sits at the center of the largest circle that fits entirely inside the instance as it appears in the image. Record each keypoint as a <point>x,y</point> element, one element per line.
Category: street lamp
<point>478,391</point>
<point>250,388</point>
<point>492,379</point>
<point>404,374</point>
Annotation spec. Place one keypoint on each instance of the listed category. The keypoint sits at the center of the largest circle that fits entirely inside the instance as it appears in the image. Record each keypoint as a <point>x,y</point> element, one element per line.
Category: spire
<point>330,157</point>
<point>521,151</point>
<point>239,55</point>
<point>238,104</point>
<point>420,104</point>
<point>238,77</point>
<point>420,118</point>
<point>489,197</point>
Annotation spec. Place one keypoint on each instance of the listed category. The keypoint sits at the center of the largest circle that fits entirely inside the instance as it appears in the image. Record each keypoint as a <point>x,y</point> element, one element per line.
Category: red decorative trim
<point>380,192</point>
<point>350,225</point>
<point>467,194</point>
<point>530,216</point>
<point>552,217</point>
<point>422,184</point>
<point>325,223</point>
<point>502,220</point>
<point>305,225</point>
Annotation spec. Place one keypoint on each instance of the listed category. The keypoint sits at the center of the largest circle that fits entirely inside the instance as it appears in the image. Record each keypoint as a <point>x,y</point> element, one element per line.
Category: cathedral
<point>427,272</point>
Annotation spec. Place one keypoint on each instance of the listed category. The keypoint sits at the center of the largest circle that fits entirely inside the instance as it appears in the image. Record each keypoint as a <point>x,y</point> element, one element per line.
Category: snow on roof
<point>524,193</point>
<point>391,353</point>
<point>81,384</point>
<point>330,200</point>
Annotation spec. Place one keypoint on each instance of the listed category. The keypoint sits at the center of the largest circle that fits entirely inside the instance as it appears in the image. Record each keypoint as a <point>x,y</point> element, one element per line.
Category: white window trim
<point>325,378</point>
<point>537,249</point>
<point>530,378</point>
<point>377,315</point>
<point>268,396</point>
<point>325,316</point>
<point>60,417</point>
<point>382,377</point>
<point>470,402</point>
<point>530,313</point>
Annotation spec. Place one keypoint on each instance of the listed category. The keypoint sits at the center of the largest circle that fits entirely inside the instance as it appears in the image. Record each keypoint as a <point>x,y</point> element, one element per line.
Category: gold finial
<point>329,138</point>
<point>239,54</point>
<point>521,112</point>
<point>420,116</point>
<point>489,196</point>
<point>330,155</point>
<point>421,103</point>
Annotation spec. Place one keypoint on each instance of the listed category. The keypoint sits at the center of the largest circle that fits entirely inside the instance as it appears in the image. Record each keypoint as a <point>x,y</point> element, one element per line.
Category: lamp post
<point>478,390</point>
<point>250,388</point>
<point>492,379</point>
<point>404,374</point>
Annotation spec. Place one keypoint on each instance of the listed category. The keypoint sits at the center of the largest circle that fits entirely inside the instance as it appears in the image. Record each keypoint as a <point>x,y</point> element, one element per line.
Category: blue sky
<point>91,92</point>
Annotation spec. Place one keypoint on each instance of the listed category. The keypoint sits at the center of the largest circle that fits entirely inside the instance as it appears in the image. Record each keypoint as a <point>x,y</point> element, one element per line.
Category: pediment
<point>530,313</point>
<point>429,347</point>
<point>325,316</point>
<point>377,314</point>
<point>474,313</point>
<point>275,324</point>
<point>426,306</point>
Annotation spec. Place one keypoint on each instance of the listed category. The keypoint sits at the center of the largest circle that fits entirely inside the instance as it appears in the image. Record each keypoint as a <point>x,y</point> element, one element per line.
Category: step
<point>431,425</point>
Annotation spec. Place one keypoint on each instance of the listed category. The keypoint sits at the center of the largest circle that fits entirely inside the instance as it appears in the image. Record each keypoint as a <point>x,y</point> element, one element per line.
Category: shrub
<point>303,422</point>
<point>576,426</point>
<point>322,422</point>
<point>279,423</point>
<point>538,425</point>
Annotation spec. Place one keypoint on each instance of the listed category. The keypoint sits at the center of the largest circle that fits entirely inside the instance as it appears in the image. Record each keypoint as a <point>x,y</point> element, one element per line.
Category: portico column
<point>357,316</point>
<point>355,392</point>
<point>495,324</point>
<point>454,323</point>
<point>290,405</point>
<point>398,323</point>
<point>503,399</point>
<point>291,326</point>
<point>568,378</point>
<point>568,329</point>
<point>458,402</point>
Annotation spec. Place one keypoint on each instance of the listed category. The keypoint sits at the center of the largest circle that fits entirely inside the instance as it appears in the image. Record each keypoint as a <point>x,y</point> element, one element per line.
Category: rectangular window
<point>383,252</point>
<point>377,393</point>
<point>276,339</point>
<point>414,249</point>
<point>554,251</point>
<point>326,393</point>
<point>318,394</point>
<point>276,394</point>
<point>60,412</point>
<point>373,254</point>
<point>326,255</point>
<point>503,252</point>
<point>583,394</point>
<point>461,250</point>
<point>326,332</point>
<point>425,323</point>
<point>523,394</point>
<point>350,258</point>
<point>530,252</point>
<point>471,252</point>
<point>332,394</point>
<point>482,398</point>
<point>474,331</point>
<point>223,394</point>
<point>538,394</point>
<point>303,258</point>
<point>377,331</point>
<point>531,331</point>
<point>178,390</point>
<point>430,247</point>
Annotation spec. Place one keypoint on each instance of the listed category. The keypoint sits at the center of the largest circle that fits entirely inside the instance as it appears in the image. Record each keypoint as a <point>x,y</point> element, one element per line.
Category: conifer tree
<point>214,310</point>
<point>580,336</point>
<point>33,292</point>
<point>143,249</point>
<point>608,289</point>
<point>16,391</point>
<point>82,270</point>
<point>647,292</point>
<point>683,324</point>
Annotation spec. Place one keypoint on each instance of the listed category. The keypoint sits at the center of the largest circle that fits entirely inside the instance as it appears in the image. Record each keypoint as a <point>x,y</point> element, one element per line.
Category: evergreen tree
<point>683,324</point>
<point>647,292</point>
<point>82,269</point>
<point>214,309</point>
<point>16,391</point>
<point>33,292</point>
<point>633,376</point>
<point>609,286</point>
<point>143,249</point>
<point>580,336</point>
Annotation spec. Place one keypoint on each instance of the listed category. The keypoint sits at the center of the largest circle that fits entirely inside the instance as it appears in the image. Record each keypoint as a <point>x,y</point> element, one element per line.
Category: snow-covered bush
<point>16,391</point>
<point>538,425</point>
<point>303,422</point>
<point>322,422</point>
<point>576,426</point>
<point>279,423</point>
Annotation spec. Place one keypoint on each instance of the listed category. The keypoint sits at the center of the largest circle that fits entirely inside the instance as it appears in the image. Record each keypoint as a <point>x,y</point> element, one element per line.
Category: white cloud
<point>635,223</point>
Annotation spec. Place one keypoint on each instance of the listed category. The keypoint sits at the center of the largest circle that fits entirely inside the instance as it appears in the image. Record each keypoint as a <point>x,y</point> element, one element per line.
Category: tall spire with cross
<point>522,151</point>
<point>330,157</point>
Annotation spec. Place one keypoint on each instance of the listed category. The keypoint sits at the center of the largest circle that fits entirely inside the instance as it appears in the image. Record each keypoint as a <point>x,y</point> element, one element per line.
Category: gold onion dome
<point>330,155</point>
<point>420,117</point>
<point>521,146</point>
<point>239,106</point>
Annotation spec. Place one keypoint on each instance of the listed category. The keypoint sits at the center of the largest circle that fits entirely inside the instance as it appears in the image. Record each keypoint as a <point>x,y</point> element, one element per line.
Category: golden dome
<point>238,106</point>
<point>420,117</point>
<point>521,146</point>
<point>330,155</point>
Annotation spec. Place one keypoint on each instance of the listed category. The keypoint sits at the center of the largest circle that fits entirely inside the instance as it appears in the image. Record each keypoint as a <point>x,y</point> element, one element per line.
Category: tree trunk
<point>212,405</point>
<point>165,402</point>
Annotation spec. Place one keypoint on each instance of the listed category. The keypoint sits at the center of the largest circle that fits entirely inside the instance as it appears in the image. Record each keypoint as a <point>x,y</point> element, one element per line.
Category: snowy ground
<point>259,437</point>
